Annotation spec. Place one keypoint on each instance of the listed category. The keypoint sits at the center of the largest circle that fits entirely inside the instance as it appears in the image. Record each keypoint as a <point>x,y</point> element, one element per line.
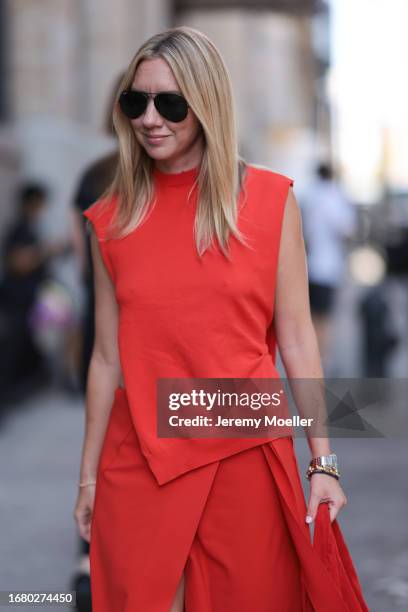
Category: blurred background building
<point>61,58</point>
<point>297,64</point>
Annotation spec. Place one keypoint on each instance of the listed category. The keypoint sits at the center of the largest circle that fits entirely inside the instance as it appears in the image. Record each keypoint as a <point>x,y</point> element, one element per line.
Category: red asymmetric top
<point>182,316</point>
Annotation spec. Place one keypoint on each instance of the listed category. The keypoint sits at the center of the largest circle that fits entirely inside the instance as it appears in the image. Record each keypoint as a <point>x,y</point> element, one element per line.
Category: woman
<point>210,524</point>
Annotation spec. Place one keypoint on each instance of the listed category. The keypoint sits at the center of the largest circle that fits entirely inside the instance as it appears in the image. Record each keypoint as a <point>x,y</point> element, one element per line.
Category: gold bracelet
<point>330,471</point>
<point>86,484</point>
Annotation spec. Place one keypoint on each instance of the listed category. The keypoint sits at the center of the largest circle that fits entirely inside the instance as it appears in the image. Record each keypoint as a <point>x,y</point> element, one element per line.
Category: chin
<point>159,153</point>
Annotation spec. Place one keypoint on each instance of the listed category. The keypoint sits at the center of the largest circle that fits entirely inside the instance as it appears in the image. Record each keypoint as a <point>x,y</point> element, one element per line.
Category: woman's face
<point>174,146</point>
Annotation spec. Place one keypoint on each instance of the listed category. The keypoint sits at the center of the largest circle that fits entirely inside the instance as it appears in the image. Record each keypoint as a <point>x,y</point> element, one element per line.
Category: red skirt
<point>235,527</point>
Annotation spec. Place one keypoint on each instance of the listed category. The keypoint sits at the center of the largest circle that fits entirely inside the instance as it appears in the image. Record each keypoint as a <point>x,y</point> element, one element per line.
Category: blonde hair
<point>205,83</point>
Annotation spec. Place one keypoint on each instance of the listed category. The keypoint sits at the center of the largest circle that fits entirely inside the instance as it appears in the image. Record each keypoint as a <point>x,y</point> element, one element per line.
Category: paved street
<point>40,452</point>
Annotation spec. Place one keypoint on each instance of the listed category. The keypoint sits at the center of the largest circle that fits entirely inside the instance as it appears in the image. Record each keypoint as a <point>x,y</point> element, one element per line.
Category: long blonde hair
<point>205,83</point>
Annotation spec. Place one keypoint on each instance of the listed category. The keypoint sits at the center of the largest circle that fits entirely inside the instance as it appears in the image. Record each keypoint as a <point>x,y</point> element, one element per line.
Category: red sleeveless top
<point>182,316</point>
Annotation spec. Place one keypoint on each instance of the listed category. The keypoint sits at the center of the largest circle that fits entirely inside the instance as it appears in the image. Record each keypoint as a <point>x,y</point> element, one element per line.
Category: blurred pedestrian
<point>25,266</point>
<point>379,336</point>
<point>93,182</point>
<point>329,220</point>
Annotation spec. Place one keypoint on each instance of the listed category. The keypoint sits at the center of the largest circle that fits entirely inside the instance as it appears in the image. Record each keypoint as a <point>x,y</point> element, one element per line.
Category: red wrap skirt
<point>235,527</point>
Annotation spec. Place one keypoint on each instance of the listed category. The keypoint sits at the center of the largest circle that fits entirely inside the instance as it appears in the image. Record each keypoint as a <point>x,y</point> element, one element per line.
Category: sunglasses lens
<point>171,106</point>
<point>132,103</point>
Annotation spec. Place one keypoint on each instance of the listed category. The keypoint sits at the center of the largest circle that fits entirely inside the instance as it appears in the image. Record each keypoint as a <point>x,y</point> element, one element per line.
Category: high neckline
<point>187,177</point>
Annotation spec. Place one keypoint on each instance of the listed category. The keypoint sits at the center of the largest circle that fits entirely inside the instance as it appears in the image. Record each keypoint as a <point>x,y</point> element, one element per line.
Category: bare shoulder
<point>292,208</point>
<point>292,242</point>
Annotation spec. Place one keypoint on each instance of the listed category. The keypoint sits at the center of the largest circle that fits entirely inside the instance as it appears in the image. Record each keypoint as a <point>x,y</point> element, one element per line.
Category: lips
<point>155,137</point>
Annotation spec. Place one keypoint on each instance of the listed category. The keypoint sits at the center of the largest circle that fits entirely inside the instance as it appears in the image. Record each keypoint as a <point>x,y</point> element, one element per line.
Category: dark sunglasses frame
<point>160,99</point>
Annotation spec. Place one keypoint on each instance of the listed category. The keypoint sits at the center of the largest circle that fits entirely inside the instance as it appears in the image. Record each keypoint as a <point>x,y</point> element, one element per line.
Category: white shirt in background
<point>328,217</point>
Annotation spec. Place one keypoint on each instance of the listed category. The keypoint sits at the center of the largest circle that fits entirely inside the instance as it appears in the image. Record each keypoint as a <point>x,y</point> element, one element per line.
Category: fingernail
<point>309,519</point>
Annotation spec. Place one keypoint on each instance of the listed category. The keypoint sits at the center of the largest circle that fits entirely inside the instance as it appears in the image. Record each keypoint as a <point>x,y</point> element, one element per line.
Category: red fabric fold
<point>329,543</point>
<point>329,577</point>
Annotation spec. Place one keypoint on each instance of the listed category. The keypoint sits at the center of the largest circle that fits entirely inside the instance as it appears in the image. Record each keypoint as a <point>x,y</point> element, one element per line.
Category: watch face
<point>330,460</point>
<point>326,461</point>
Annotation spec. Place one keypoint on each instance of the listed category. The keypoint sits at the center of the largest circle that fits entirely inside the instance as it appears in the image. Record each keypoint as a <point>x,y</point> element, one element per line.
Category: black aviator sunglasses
<point>171,106</point>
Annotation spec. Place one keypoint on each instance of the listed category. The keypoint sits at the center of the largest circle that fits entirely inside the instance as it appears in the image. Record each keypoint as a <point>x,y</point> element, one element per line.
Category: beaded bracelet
<point>329,471</point>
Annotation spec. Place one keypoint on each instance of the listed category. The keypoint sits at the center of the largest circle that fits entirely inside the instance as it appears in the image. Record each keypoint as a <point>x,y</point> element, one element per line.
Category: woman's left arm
<point>297,342</point>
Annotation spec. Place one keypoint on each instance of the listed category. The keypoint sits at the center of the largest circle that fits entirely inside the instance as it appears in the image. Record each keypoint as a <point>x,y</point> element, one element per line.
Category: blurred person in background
<point>378,333</point>
<point>93,182</point>
<point>329,220</point>
<point>25,266</point>
<point>91,185</point>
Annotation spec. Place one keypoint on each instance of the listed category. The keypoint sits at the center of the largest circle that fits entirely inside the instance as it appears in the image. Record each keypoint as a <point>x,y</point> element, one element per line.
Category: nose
<point>151,117</point>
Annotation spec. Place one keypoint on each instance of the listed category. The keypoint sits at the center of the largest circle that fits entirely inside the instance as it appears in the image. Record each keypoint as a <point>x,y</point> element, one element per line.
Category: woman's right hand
<point>83,511</point>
